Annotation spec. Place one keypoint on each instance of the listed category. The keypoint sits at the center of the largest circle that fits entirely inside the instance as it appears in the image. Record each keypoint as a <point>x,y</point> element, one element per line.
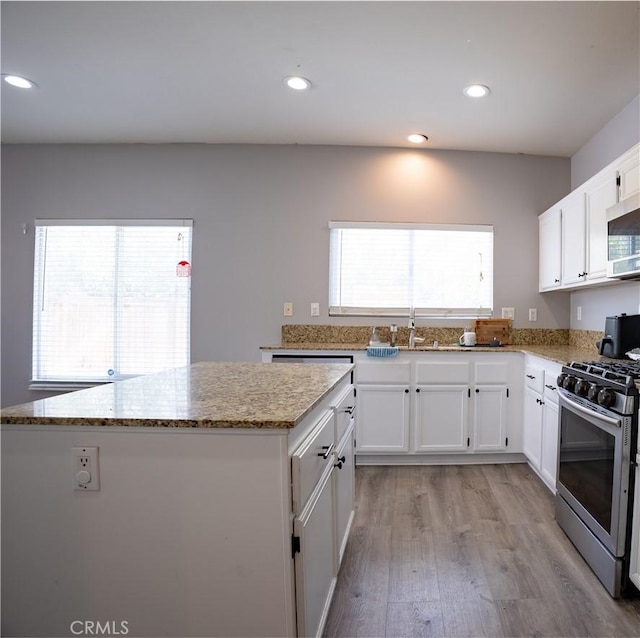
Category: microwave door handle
<point>601,417</point>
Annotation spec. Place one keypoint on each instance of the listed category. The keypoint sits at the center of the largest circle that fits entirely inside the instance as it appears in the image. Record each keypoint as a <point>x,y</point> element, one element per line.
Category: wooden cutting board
<point>488,329</point>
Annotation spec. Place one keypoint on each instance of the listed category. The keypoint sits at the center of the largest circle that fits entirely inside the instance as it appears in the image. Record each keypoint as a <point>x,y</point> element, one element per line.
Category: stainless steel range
<point>599,407</point>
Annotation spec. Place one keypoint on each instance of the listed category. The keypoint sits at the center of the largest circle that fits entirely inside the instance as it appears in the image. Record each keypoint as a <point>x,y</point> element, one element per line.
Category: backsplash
<point>295,333</point>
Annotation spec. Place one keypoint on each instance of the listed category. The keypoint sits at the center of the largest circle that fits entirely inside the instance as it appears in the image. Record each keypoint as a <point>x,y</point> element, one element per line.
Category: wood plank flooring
<point>470,550</point>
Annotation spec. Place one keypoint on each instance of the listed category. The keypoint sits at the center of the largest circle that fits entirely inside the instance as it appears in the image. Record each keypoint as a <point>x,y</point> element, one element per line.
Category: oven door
<point>593,469</point>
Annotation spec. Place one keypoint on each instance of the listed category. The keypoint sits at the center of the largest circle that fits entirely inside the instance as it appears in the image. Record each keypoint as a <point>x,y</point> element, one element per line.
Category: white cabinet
<point>600,194</point>
<point>431,404</point>
<point>628,169</point>
<point>315,566</point>
<point>540,422</point>
<point>574,232</point>
<point>550,249</point>
<point>344,492</point>
<point>440,423</point>
<point>634,563</point>
<point>490,418</point>
<point>382,406</point>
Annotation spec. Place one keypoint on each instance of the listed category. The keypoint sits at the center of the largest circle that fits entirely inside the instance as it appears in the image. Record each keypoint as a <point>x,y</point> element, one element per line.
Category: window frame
<point>338,310</point>
<point>40,381</point>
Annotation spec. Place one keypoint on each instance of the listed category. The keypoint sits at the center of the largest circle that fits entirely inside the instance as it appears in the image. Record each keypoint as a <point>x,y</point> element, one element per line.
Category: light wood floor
<point>466,551</point>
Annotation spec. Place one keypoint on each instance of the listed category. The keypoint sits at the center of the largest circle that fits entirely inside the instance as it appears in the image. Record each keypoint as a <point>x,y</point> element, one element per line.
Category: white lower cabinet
<point>344,492</point>
<point>437,404</point>
<point>440,420</point>
<point>540,419</point>
<point>634,564</point>
<point>315,564</point>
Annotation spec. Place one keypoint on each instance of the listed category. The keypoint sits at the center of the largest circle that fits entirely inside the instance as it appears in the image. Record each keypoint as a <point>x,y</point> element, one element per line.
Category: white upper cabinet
<point>601,193</point>
<point>628,168</point>
<point>550,249</point>
<point>573,232</point>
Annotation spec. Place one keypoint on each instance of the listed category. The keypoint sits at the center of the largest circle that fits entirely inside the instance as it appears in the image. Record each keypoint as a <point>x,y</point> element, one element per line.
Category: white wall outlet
<point>533,314</point>
<point>288,309</point>
<point>86,471</point>
<point>579,313</point>
<point>315,309</point>
<point>508,313</point>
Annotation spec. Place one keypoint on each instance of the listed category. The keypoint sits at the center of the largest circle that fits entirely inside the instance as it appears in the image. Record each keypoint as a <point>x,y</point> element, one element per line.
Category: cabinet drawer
<point>345,411</point>
<point>310,460</point>
<point>383,372</point>
<point>551,385</point>
<point>534,378</point>
<point>442,372</point>
<point>492,372</point>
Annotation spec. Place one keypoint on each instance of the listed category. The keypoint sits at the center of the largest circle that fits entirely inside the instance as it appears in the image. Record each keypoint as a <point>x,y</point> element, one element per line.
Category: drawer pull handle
<point>349,410</point>
<point>551,387</point>
<point>531,376</point>
<point>327,451</point>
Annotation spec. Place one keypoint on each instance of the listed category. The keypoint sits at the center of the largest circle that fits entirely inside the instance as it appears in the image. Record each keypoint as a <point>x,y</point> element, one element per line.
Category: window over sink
<point>385,269</point>
<point>111,299</point>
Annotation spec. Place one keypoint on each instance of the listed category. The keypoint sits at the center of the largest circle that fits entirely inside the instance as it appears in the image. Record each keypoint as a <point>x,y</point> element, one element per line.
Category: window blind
<point>387,269</point>
<point>110,298</point>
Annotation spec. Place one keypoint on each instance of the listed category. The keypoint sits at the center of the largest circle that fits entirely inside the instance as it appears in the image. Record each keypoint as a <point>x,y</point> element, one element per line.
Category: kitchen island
<point>191,529</point>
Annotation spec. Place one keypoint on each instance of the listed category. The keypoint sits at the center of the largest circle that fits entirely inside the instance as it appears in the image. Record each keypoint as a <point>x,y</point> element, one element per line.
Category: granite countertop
<point>203,395</point>
<point>559,353</point>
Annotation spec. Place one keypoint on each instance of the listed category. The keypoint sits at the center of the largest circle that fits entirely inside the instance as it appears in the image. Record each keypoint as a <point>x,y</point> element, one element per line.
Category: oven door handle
<point>616,423</point>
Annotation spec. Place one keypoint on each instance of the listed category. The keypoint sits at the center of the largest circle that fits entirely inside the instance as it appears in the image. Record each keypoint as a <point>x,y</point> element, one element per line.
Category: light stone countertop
<point>203,395</point>
<point>559,353</point>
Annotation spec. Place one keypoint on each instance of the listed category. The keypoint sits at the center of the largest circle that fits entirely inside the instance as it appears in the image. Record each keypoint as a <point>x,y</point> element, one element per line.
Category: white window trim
<point>406,311</point>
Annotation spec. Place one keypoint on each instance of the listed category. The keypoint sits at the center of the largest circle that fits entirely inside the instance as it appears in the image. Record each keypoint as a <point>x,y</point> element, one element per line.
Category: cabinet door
<point>490,418</point>
<point>440,423</point>
<point>344,484</point>
<point>532,434</point>
<point>550,249</point>
<point>550,442</point>
<point>601,193</point>
<point>574,232</point>
<point>634,563</point>
<point>382,423</point>
<point>629,171</point>
<point>315,566</point>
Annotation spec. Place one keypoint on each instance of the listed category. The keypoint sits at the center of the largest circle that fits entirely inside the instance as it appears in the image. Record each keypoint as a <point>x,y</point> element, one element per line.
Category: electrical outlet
<point>86,471</point>
<point>315,309</point>
<point>288,309</point>
<point>508,313</point>
<point>533,314</point>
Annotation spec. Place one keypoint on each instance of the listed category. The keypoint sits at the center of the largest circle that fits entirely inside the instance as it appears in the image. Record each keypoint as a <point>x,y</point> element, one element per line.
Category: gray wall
<point>614,139</point>
<point>260,225</point>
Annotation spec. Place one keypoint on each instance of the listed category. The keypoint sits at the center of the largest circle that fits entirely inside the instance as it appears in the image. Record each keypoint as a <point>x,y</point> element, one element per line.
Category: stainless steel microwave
<point>623,239</point>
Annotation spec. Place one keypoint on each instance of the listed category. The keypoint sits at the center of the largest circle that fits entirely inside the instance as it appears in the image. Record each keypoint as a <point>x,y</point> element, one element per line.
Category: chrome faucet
<point>412,329</point>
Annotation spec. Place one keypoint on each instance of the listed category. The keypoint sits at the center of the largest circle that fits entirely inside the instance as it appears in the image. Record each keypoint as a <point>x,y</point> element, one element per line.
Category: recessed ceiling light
<point>18,81</point>
<point>476,90</point>
<point>298,83</point>
<point>417,138</point>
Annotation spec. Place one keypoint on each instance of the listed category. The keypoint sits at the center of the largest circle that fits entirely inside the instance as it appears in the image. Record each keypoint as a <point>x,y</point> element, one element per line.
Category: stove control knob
<point>592,394</point>
<point>569,383</point>
<point>560,380</point>
<point>606,397</point>
<point>582,387</point>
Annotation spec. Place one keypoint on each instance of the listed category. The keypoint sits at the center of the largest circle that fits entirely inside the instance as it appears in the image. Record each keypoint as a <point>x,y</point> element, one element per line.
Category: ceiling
<point>211,72</point>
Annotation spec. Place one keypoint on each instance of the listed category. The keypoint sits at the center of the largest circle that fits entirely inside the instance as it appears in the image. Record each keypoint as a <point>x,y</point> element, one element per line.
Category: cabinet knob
<point>477,390</point>
<point>406,391</point>
<point>340,460</point>
<point>417,389</point>
<point>556,281</point>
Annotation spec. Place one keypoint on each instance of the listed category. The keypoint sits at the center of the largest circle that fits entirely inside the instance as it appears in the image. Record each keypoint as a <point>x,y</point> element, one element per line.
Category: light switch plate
<point>508,313</point>
<point>315,309</point>
<point>533,314</point>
